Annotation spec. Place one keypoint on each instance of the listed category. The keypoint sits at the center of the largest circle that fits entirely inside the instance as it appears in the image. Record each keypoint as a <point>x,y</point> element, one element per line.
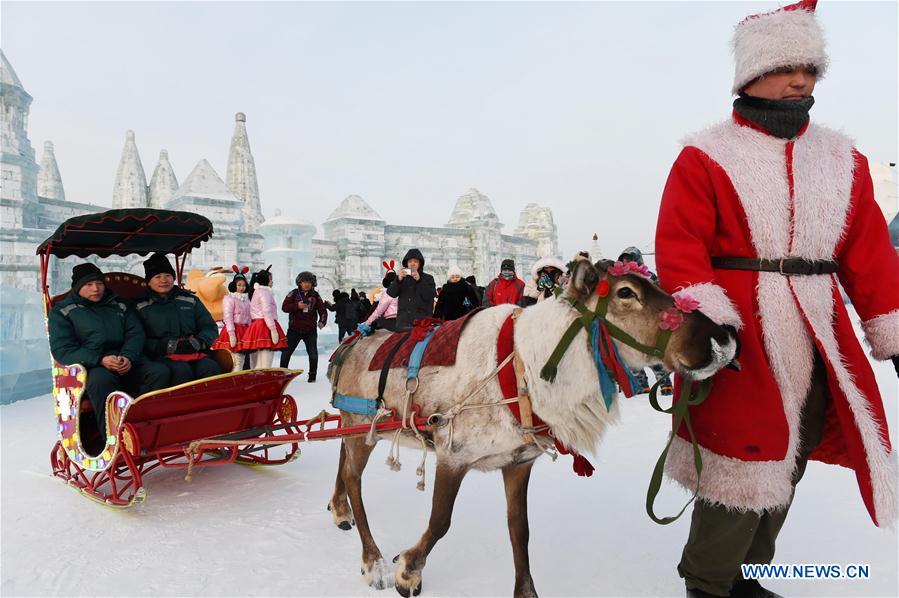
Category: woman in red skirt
<point>264,336</point>
<point>236,315</point>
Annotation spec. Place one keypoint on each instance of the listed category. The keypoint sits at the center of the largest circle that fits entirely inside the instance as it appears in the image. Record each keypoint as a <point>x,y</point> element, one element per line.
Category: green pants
<point>722,539</point>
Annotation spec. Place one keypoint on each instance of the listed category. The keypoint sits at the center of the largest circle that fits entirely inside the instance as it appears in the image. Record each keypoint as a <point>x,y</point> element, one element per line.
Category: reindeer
<point>492,438</point>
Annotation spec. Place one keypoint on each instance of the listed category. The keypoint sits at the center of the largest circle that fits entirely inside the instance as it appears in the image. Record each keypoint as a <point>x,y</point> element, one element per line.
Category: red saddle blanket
<point>441,349</point>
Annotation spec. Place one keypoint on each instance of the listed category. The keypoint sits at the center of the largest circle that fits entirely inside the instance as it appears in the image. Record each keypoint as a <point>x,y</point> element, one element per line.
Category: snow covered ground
<point>237,531</point>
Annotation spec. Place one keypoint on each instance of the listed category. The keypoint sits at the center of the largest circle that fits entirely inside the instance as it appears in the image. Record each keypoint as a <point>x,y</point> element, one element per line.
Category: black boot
<point>751,588</point>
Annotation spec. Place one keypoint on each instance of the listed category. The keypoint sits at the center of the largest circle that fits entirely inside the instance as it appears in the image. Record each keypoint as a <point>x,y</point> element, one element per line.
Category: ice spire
<point>241,175</point>
<point>163,183</point>
<point>130,189</point>
<point>49,181</point>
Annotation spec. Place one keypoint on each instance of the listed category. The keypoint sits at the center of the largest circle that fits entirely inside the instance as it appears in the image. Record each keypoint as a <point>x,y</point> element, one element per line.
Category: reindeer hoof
<point>379,576</point>
<point>404,592</point>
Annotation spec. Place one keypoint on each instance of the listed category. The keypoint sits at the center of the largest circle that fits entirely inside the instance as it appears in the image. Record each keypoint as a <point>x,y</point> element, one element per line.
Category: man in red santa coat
<point>760,217</point>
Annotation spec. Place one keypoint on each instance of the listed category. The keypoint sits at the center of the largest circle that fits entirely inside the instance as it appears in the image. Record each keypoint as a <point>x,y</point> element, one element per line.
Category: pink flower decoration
<point>642,270</point>
<point>686,303</point>
<point>670,319</point>
<point>618,269</point>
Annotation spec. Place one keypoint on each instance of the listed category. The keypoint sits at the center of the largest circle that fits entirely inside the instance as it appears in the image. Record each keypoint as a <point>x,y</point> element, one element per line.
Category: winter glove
<point>171,346</point>
<point>364,329</point>
<point>186,346</point>
<point>734,364</point>
<point>196,343</point>
<point>275,336</point>
<point>232,339</point>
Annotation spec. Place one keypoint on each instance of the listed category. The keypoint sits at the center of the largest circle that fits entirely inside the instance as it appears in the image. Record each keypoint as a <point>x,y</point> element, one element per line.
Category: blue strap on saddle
<point>417,353</point>
<point>368,407</point>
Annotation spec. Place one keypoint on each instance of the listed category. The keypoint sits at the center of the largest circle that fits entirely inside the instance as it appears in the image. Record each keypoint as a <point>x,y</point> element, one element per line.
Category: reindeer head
<point>697,347</point>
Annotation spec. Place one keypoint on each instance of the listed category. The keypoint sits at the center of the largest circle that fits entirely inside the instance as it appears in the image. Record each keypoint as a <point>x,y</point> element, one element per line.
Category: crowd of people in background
<point>165,338</point>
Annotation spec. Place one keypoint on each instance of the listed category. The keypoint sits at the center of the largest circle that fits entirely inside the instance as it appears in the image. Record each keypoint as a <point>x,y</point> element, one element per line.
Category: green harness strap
<point>681,412</point>
<point>550,369</point>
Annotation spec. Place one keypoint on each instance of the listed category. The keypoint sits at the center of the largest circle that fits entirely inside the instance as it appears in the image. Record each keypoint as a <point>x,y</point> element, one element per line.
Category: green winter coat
<point>179,314</point>
<point>85,332</point>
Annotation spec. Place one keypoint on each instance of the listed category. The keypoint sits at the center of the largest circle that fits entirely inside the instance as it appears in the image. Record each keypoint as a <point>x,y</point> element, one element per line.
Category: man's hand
<point>321,325</point>
<point>401,274</point>
<point>302,305</point>
<point>126,365</point>
<point>416,275</point>
<point>112,363</point>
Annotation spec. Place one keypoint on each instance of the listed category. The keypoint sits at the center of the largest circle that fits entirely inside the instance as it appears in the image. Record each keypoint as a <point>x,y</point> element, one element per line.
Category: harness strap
<point>385,369</point>
<point>418,353</point>
<point>681,415</point>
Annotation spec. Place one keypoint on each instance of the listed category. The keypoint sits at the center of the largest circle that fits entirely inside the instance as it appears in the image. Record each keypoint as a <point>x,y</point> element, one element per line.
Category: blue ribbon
<point>607,383</point>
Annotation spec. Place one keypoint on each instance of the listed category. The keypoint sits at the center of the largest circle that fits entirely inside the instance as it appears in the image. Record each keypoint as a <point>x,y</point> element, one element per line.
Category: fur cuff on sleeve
<point>714,303</point>
<point>882,334</point>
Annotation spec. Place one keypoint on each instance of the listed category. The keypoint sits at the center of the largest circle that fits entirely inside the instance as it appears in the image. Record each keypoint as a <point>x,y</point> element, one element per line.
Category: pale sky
<point>575,106</point>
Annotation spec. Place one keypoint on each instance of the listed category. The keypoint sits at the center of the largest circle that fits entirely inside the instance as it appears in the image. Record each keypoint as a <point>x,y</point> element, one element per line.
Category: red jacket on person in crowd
<point>501,291</point>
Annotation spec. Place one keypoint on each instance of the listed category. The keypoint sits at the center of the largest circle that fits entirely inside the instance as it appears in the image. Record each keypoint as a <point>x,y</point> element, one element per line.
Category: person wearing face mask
<point>546,277</point>
<point>456,298</point>
<point>761,216</point>
<point>505,288</point>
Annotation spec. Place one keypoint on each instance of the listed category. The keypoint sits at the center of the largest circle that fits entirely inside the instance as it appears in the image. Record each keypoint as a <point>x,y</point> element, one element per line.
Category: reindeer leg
<point>412,561</point>
<point>338,505</point>
<point>375,570</point>
<point>515,478</point>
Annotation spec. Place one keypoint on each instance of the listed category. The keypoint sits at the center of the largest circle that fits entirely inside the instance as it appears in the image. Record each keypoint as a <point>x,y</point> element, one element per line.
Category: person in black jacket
<point>96,329</point>
<point>456,298</point>
<point>179,328</point>
<point>339,308</point>
<point>415,290</point>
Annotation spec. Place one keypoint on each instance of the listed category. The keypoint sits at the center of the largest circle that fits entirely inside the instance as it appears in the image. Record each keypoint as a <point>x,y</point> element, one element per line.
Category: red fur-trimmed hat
<point>789,36</point>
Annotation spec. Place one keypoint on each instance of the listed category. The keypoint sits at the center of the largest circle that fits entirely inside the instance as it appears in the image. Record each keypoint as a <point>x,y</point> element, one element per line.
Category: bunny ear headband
<point>388,266</point>
<point>243,270</point>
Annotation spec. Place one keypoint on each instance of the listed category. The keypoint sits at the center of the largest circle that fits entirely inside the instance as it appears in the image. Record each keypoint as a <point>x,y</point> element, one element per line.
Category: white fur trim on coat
<point>548,261</point>
<point>763,43</point>
<point>823,167</point>
<point>714,303</point>
<point>882,334</point>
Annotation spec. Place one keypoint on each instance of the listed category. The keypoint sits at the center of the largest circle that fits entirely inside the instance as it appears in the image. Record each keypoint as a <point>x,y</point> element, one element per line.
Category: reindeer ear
<point>584,277</point>
<point>602,266</point>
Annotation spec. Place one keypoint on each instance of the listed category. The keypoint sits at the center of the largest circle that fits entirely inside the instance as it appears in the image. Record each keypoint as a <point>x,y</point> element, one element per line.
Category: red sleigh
<point>240,416</point>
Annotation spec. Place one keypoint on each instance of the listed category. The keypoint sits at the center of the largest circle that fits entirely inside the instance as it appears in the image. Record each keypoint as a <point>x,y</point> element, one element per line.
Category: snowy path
<point>236,531</point>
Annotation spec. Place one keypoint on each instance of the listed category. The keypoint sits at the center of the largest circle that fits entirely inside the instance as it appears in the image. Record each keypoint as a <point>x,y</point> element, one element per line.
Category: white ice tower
<point>49,181</point>
<point>18,191</point>
<point>163,183</point>
<point>241,175</point>
<point>130,190</point>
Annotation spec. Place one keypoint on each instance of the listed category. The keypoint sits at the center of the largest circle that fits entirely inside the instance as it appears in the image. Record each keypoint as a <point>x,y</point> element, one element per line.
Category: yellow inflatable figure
<point>209,288</point>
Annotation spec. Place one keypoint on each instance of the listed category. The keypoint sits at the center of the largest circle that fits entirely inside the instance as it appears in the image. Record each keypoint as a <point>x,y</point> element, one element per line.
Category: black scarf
<point>781,118</point>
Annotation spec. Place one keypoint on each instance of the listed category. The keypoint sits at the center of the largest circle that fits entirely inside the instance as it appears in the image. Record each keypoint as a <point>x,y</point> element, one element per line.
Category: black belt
<point>788,266</point>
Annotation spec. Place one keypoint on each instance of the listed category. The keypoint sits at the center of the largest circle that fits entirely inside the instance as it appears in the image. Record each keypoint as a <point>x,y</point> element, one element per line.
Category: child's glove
<point>364,329</point>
